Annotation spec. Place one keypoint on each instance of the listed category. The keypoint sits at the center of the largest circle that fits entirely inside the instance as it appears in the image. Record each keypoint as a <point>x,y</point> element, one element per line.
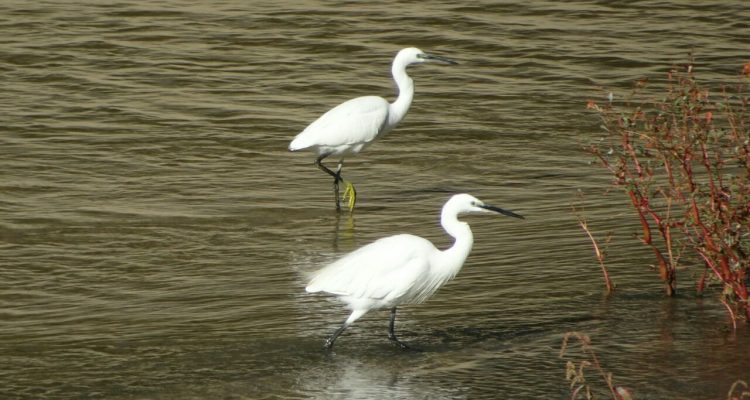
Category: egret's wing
<point>355,121</point>
<point>396,283</point>
<point>385,269</point>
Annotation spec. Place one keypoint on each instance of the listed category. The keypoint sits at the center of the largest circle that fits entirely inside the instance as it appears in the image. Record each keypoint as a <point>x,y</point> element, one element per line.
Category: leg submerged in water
<point>353,317</point>
<point>392,331</point>
<point>349,191</point>
<point>336,178</point>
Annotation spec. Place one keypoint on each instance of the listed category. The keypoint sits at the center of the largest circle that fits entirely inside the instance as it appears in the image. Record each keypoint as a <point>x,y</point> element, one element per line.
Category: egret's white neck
<point>397,109</point>
<point>455,256</point>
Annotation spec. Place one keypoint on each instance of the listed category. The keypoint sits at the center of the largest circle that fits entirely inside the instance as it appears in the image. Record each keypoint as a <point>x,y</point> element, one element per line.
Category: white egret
<point>353,125</point>
<point>400,269</point>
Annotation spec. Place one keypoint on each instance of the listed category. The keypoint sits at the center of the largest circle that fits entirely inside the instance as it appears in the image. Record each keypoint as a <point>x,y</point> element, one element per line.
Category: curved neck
<point>456,255</point>
<point>398,109</point>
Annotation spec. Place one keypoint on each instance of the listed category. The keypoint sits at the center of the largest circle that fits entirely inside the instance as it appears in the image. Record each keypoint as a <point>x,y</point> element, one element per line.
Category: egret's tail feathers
<point>315,287</point>
<point>355,315</point>
<point>299,143</point>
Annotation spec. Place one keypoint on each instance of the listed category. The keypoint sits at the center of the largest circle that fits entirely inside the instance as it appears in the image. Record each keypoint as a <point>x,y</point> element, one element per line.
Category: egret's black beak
<point>501,211</point>
<point>438,58</point>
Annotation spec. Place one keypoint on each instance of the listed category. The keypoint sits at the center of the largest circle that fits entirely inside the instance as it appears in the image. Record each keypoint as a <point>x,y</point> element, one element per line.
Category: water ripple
<point>156,233</point>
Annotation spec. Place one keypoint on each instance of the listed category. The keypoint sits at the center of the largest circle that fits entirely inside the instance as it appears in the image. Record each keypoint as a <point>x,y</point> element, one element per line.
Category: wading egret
<point>353,125</point>
<point>400,269</point>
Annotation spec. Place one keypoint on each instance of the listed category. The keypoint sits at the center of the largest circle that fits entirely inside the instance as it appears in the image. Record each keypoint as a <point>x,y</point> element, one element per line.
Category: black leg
<point>336,177</point>
<point>336,193</point>
<point>392,331</point>
<point>329,342</point>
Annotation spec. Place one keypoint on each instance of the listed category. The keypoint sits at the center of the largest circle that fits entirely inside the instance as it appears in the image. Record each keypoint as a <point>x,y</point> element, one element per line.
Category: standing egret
<point>400,269</point>
<point>353,125</point>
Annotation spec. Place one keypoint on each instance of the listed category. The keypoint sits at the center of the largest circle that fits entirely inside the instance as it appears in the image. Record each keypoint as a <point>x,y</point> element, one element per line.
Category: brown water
<point>155,231</point>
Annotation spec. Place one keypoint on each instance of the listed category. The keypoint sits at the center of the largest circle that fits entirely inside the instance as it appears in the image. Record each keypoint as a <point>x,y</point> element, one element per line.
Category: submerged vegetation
<point>576,367</point>
<point>683,160</point>
<point>580,357</point>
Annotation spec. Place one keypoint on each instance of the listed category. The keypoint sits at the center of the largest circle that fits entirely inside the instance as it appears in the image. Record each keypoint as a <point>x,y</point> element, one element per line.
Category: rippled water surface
<point>155,232</point>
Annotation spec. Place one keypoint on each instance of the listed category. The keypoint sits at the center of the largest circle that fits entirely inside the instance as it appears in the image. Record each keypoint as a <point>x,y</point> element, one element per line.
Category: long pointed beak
<point>501,211</point>
<point>438,58</point>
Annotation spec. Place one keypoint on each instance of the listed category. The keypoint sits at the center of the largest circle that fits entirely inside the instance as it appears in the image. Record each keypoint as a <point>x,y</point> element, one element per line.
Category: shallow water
<point>155,232</point>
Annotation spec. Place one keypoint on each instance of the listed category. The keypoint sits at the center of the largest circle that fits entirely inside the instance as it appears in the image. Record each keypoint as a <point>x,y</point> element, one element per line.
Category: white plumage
<point>400,269</point>
<point>366,119</point>
<point>353,125</point>
<point>383,280</point>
